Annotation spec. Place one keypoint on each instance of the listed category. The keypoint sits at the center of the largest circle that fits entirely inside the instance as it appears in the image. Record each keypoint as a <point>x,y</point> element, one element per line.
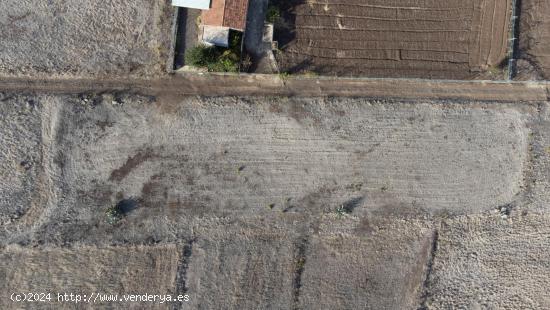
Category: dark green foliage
<point>201,55</point>
<point>114,215</point>
<point>273,14</point>
<point>235,39</point>
<point>217,59</point>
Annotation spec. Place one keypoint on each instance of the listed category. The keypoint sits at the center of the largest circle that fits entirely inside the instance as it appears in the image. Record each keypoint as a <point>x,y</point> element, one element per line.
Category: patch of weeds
<point>273,14</point>
<point>217,59</point>
<point>548,150</point>
<point>445,214</point>
<point>114,215</point>
<point>212,58</point>
<point>355,186</point>
<point>493,70</point>
<point>342,211</point>
<point>246,63</point>
<point>117,212</point>
<point>308,73</point>
<point>498,70</point>
<point>284,75</point>
<point>300,263</point>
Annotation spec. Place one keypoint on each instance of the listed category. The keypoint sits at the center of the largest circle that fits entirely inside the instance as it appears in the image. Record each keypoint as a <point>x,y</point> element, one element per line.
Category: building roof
<point>226,13</point>
<point>193,4</point>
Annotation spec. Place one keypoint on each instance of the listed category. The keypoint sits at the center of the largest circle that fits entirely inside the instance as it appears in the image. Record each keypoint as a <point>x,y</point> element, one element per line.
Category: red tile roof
<point>226,13</point>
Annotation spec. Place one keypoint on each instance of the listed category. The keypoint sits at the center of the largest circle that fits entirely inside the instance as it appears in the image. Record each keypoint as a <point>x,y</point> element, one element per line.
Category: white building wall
<point>192,4</point>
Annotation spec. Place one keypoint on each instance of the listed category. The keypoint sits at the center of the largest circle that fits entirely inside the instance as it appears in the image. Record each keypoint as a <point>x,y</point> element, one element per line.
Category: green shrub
<point>273,14</point>
<point>284,75</point>
<point>114,215</point>
<point>342,211</point>
<point>228,61</point>
<point>215,59</point>
<point>223,65</point>
<point>201,55</point>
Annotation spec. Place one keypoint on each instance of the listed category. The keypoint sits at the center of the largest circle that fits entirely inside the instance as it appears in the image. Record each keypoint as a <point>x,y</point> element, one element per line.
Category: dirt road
<point>270,85</point>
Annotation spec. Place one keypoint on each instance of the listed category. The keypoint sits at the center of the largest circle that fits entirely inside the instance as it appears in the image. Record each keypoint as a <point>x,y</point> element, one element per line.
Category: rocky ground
<point>277,202</point>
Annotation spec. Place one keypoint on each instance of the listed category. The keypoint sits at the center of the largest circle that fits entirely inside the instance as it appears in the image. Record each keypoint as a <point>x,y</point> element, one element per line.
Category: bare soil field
<point>88,270</point>
<point>534,54</point>
<point>487,263</point>
<point>84,37</point>
<point>276,202</point>
<point>201,157</point>
<point>448,39</point>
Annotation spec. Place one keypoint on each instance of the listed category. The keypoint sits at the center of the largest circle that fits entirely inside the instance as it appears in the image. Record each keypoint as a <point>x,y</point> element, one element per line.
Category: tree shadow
<point>126,206</point>
<point>285,26</point>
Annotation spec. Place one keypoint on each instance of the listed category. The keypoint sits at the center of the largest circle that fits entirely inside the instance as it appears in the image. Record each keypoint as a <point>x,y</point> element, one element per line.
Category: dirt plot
<point>84,37</point>
<point>87,270</point>
<point>193,157</point>
<point>534,56</point>
<point>236,267</point>
<point>20,157</point>
<point>492,263</point>
<point>379,38</point>
<point>360,267</point>
<point>277,202</point>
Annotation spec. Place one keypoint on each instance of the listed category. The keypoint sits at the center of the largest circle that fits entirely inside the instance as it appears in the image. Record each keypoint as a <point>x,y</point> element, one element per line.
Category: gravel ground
<point>84,37</point>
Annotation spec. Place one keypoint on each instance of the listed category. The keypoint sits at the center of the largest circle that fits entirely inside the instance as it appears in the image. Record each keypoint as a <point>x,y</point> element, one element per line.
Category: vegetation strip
<point>513,40</point>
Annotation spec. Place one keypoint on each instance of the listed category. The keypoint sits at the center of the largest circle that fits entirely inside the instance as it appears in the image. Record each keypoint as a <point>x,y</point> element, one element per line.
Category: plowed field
<point>455,39</point>
<point>534,59</point>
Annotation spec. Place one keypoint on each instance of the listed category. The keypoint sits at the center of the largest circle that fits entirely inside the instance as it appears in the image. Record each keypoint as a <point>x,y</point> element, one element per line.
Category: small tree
<point>273,14</point>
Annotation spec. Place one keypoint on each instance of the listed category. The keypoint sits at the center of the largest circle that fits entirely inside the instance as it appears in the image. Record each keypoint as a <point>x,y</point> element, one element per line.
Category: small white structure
<point>218,18</point>
<point>214,35</point>
<point>192,4</point>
